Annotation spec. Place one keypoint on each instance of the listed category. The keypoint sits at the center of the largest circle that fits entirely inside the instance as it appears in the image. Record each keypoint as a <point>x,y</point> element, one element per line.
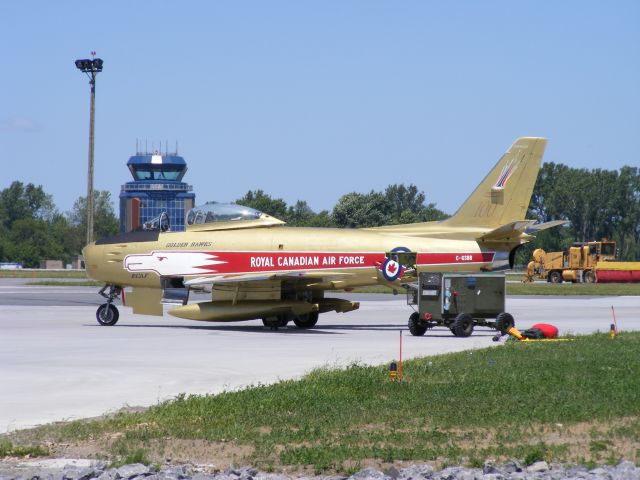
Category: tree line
<point>597,203</point>
<point>395,205</point>
<point>33,230</point>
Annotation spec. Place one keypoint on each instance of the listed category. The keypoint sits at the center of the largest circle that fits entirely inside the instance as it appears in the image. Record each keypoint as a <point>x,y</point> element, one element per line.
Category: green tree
<point>25,215</point>
<point>19,201</point>
<point>398,204</point>
<point>30,242</point>
<point>357,210</point>
<point>597,203</point>
<point>405,198</point>
<point>276,207</point>
<point>409,205</point>
<point>626,201</point>
<point>68,236</point>
<point>430,213</point>
<point>322,219</point>
<point>105,221</point>
<point>300,214</point>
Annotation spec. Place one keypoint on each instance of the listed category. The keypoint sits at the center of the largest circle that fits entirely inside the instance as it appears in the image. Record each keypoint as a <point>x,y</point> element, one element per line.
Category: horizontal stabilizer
<point>543,226</point>
<point>507,232</point>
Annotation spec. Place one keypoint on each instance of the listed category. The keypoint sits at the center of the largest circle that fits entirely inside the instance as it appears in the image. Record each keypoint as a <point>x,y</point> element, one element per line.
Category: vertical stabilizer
<point>504,194</point>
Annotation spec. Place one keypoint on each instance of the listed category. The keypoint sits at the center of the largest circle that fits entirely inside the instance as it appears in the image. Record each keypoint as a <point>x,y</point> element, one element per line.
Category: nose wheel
<point>107,313</point>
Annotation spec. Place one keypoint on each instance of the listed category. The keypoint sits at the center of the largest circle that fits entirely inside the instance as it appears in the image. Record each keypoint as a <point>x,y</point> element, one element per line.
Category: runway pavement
<point>57,363</point>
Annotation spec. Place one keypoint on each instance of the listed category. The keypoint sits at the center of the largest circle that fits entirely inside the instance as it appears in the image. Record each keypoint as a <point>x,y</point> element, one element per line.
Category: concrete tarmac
<point>57,363</point>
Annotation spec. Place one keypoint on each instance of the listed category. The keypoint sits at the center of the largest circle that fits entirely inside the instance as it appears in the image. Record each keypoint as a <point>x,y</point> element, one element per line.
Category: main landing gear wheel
<point>415,327</point>
<point>462,325</point>
<point>276,321</point>
<point>107,314</point>
<point>504,321</point>
<point>308,320</point>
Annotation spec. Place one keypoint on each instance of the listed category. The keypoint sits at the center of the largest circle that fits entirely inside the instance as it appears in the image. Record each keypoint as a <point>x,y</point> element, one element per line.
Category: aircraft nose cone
<point>90,254</point>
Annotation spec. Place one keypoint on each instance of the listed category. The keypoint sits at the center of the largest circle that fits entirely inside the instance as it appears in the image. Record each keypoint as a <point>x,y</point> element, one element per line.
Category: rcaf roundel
<point>392,270</point>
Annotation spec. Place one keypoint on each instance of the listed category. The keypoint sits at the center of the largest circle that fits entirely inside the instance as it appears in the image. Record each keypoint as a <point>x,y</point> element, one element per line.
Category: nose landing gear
<point>107,313</point>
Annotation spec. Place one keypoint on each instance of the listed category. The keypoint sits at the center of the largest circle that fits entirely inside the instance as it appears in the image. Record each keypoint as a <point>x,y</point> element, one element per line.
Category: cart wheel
<point>462,325</point>
<point>504,321</point>
<point>415,327</point>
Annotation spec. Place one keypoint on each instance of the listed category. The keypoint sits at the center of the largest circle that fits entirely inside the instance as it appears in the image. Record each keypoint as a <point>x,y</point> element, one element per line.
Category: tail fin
<point>504,194</point>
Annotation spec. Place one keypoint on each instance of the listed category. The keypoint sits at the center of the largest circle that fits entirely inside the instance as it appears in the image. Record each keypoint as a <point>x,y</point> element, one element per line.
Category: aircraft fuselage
<point>358,253</point>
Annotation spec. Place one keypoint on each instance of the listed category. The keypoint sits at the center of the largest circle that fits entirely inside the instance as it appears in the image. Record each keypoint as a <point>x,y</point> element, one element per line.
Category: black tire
<point>276,321</point>
<point>589,276</point>
<point>107,314</point>
<point>416,328</point>
<point>462,325</point>
<point>307,320</point>
<point>555,277</point>
<point>504,321</point>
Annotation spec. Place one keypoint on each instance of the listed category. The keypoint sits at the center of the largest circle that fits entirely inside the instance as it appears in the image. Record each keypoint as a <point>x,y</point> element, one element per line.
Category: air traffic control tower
<point>157,188</point>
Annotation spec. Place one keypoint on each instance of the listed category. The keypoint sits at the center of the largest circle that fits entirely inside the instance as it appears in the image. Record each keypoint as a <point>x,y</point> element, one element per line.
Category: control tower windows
<point>145,173</point>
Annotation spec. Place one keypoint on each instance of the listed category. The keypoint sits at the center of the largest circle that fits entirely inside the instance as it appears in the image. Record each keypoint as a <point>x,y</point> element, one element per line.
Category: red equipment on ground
<point>549,331</point>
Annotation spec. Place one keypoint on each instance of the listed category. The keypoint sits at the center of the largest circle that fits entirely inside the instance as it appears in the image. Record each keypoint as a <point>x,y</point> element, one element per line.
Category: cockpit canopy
<point>221,212</point>
<point>225,216</point>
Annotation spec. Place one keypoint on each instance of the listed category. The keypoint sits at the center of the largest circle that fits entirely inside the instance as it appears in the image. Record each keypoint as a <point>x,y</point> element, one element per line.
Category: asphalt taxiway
<point>57,363</point>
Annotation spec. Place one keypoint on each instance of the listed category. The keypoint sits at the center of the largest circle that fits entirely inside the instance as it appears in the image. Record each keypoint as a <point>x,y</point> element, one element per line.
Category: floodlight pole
<point>92,117</point>
<point>91,68</point>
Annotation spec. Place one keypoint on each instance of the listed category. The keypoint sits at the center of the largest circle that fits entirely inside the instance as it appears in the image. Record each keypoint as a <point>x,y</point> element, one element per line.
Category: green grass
<point>8,449</point>
<point>67,283</point>
<point>592,289</point>
<point>613,289</point>
<point>504,402</point>
<point>139,455</point>
<point>42,274</point>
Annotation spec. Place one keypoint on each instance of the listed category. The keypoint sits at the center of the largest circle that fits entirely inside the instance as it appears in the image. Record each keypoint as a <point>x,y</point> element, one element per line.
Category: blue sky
<point>311,100</point>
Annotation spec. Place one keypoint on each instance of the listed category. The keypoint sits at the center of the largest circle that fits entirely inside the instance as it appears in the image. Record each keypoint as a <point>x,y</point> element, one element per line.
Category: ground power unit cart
<point>459,302</point>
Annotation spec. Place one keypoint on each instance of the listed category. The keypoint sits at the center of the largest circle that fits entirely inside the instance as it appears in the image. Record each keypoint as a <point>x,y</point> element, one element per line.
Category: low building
<point>52,265</point>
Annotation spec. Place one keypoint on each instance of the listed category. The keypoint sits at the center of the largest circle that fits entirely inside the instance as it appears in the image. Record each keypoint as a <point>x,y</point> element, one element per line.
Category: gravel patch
<point>83,469</point>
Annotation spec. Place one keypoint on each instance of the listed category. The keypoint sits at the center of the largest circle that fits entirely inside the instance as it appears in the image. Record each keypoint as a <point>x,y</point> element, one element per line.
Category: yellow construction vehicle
<point>575,264</point>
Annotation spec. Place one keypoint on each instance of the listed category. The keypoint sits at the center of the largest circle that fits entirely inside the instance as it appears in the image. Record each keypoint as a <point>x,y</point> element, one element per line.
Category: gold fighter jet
<point>257,268</point>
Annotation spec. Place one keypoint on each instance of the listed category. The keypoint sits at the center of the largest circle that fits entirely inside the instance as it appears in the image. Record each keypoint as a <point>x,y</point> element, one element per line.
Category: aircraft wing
<point>260,277</point>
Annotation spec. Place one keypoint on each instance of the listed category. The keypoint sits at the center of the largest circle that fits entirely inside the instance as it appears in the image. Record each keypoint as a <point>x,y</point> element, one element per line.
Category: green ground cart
<point>458,301</point>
